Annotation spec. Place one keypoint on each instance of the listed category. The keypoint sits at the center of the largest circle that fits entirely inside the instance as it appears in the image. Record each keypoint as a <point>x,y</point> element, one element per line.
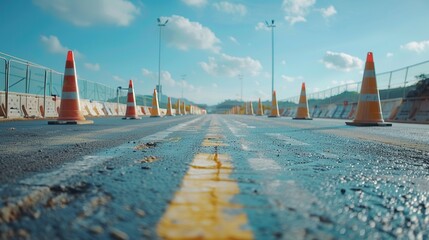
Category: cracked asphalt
<point>266,178</point>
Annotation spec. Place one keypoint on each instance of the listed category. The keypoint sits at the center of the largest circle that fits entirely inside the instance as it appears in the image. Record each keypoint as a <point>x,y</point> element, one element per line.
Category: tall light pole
<point>183,83</point>
<point>160,25</point>
<point>241,80</point>
<point>272,26</point>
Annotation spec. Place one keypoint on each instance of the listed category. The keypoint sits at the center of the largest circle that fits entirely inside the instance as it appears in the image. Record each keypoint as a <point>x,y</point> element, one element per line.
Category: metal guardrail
<point>393,84</point>
<point>21,76</point>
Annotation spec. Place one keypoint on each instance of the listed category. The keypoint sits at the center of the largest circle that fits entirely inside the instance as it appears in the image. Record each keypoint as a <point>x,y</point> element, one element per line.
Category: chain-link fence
<point>17,75</point>
<point>392,84</point>
<point>21,76</point>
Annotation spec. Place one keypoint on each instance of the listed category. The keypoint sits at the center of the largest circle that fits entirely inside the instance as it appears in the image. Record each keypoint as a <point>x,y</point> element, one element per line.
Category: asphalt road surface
<point>213,177</point>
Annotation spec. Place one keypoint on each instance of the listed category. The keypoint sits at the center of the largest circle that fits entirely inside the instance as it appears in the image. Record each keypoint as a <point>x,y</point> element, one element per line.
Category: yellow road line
<point>213,140</point>
<point>202,207</point>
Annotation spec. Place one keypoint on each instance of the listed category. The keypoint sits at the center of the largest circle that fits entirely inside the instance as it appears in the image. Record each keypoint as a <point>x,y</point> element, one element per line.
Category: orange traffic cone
<point>178,112</point>
<point>154,112</point>
<point>183,108</point>
<point>274,106</point>
<point>369,107</point>
<point>70,109</point>
<point>131,112</point>
<point>302,112</point>
<point>260,111</point>
<point>251,108</point>
<point>169,108</point>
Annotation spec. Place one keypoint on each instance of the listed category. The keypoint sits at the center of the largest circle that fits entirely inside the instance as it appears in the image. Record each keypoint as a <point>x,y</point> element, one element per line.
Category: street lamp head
<point>270,25</point>
<point>160,23</point>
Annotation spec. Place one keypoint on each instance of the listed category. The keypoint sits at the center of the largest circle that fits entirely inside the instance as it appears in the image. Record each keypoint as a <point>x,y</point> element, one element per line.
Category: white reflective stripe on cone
<point>69,95</point>
<point>302,105</point>
<point>130,104</point>
<point>69,72</point>
<point>369,73</point>
<point>369,98</point>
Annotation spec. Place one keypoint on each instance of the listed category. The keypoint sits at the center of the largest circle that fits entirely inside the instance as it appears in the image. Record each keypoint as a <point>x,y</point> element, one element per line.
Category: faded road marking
<point>260,164</point>
<point>287,139</point>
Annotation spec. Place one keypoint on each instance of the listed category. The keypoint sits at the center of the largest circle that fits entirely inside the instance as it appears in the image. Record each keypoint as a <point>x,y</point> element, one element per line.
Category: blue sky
<point>208,44</point>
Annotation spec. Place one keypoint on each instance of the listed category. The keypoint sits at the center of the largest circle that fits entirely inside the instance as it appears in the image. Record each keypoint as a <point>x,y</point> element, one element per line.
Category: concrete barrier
<point>23,105</point>
<point>287,112</point>
<point>404,111</point>
<point>14,106</point>
<point>139,111</point>
<point>30,106</point>
<point>108,108</point>
<point>338,111</point>
<point>422,114</point>
<point>316,112</point>
<point>346,111</point>
<point>51,107</point>
<point>390,107</point>
<point>98,108</point>
<point>413,110</point>
<point>352,112</point>
<point>2,104</point>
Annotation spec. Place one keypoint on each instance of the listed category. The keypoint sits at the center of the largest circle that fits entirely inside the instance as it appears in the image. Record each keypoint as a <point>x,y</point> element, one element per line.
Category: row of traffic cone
<point>368,110</point>
<point>131,112</point>
<point>70,108</point>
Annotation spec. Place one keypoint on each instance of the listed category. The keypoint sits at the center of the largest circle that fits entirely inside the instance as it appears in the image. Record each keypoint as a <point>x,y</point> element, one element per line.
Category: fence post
<point>6,114</point>
<point>44,93</point>
<point>405,81</point>
<point>50,83</point>
<point>388,86</point>
<point>26,77</point>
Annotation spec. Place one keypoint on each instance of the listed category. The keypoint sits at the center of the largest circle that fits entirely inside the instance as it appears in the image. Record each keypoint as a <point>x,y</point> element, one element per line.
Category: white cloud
<point>148,73</point>
<point>88,13</point>
<point>283,62</point>
<point>291,79</point>
<point>53,45</point>
<point>341,61</point>
<point>389,54</point>
<point>261,26</point>
<point>328,12</point>
<point>117,78</point>
<point>93,66</point>
<point>231,66</point>
<point>233,39</point>
<point>231,8</point>
<point>297,10</point>
<point>167,80</point>
<point>415,46</point>
<point>195,3</point>
<point>214,85</point>
<point>184,34</point>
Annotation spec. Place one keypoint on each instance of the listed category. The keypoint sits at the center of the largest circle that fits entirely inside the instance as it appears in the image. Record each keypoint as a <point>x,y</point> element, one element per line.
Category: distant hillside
<point>419,89</point>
